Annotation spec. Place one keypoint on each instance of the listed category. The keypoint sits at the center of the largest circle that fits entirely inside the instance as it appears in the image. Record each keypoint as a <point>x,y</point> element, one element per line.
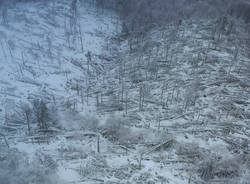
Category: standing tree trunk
<point>98,143</point>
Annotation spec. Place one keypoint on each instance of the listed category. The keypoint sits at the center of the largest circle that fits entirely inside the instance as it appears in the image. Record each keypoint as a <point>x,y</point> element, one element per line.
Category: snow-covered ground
<point>172,107</point>
<point>39,54</point>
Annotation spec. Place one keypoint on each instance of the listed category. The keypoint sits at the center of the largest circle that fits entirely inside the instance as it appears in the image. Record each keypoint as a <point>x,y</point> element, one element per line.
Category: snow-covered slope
<point>170,105</point>
<point>42,49</point>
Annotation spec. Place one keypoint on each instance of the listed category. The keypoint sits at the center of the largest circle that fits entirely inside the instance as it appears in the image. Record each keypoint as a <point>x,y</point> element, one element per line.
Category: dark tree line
<point>145,14</point>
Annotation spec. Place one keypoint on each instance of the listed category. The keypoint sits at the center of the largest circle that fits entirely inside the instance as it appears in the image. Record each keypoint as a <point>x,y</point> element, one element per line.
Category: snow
<point>38,60</point>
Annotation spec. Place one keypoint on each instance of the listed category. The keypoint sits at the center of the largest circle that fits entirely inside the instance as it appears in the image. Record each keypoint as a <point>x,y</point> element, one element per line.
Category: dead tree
<point>80,35</point>
<point>4,16</point>
<point>73,19</point>
<point>41,113</point>
<point>5,140</point>
<point>27,112</point>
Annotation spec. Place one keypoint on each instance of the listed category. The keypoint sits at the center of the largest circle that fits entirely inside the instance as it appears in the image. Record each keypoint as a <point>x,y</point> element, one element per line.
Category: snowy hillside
<point>42,49</point>
<point>88,96</point>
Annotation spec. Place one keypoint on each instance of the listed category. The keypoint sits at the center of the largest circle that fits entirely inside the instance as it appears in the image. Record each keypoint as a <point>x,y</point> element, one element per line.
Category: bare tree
<point>27,112</point>
<point>41,113</point>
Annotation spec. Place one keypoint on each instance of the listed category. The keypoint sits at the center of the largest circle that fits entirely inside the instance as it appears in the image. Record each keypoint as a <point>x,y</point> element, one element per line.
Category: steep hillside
<point>48,46</point>
<point>94,92</point>
<point>190,81</point>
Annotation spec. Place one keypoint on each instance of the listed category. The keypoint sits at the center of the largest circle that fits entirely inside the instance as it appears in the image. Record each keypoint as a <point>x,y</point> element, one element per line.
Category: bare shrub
<point>191,151</point>
<point>116,129</point>
<point>244,159</point>
<point>91,123</point>
<point>93,166</point>
<point>221,169</point>
<point>119,129</point>
<point>15,168</point>
<point>36,115</point>
<point>207,170</point>
<point>227,169</point>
